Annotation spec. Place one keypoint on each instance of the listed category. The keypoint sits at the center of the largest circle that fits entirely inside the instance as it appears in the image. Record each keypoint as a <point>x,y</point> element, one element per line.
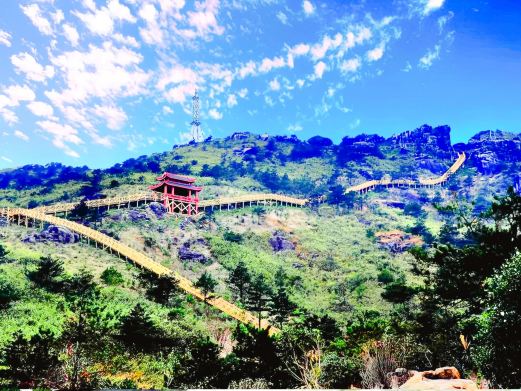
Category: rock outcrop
<point>53,234</point>
<point>157,209</point>
<point>192,251</point>
<point>446,378</point>
<point>433,142</point>
<point>136,215</point>
<point>279,242</point>
<point>489,150</point>
<point>397,241</point>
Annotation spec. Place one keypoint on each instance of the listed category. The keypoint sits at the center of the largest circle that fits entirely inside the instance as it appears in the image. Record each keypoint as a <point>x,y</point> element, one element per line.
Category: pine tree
<point>281,305</point>
<point>239,280</point>
<point>159,289</point>
<point>3,252</point>
<point>259,295</point>
<point>138,331</point>
<point>206,283</point>
<point>48,273</point>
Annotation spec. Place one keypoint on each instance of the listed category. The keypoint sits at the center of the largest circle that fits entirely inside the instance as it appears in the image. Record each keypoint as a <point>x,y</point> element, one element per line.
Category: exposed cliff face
<point>492,151</point>
<point>359,147</point>
<point>425,140</point>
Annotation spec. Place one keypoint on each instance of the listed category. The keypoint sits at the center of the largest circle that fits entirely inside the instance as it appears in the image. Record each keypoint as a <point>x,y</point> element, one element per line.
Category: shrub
<point>385,276</point>
<point>111,276</point>
<point>230,236</point>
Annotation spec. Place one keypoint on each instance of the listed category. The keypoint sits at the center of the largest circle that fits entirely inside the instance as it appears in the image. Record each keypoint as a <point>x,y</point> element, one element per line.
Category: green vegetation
<point>340,294</point>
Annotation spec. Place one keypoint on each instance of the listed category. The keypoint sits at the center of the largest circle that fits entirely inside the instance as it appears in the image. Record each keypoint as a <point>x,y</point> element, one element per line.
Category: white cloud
<point>101,72</point>
<point>375,54</point>
<point>57,17</point>
<point>232,100</point>
<point>18,93</point>
<point>319,69</point>
<point>318,51</point>
<point>432,55</point>
<point>152,34</point>
<point>308,7</point>
<point>243,92</point>
<point>9,116</point>
<point>21,135</point>
<point>443,20</point>
<point>126,40</point>
<point>294,128</point>
<point>300,83</point>
<point>167,110</point>
<point>407,67</point>
<point>6,159</point>
<point>28,65</point>
<point>62,135</point>
<point>204,20</point>
<point>180,93</point>
<point>5,38</point>
<point>71,34</point>
<point>41,109</point>
<point>432,5</point>
<point>247,69</point>
<point>350,65</point>
<point>274,85</point>
<point>33,12</point>
<point>282,17</point>
<point>101,21</point>
<point>213,113</point>
<point>268,64</point>
<point>269,101</point>
<point>114,116</point>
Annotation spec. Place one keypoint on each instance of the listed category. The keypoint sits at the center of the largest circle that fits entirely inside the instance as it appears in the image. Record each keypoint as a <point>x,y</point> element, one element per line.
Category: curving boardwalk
<point>25,216</point>
<point>146,197</point>
<point>370,185</point>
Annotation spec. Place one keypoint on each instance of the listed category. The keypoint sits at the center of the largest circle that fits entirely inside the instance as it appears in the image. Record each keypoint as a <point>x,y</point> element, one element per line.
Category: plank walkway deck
<point>23,216</point>
<point>372,184</point>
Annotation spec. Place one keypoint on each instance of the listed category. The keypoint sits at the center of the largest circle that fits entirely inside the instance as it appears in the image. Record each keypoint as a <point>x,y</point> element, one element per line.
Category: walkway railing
<point>370,185</point>
<point>25,216</point>
<point>146,197</point>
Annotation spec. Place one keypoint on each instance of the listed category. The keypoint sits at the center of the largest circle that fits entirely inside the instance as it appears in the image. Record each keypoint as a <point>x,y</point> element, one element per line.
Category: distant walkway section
<point>371,185</point>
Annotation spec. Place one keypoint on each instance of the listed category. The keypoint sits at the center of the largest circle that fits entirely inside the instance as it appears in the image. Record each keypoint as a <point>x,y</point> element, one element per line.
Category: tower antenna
<point>196,131</point>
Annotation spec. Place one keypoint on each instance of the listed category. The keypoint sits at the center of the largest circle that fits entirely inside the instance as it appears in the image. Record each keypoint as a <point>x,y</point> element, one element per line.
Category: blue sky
<point>98,81</point>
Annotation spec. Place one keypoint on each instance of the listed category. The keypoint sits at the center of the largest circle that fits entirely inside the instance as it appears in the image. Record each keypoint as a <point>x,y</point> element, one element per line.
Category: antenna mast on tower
<point>196,132</point>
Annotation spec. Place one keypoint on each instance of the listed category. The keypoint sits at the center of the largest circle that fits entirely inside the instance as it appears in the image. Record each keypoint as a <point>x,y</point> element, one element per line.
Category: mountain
<point>348,265</point>
<point>311,168</point>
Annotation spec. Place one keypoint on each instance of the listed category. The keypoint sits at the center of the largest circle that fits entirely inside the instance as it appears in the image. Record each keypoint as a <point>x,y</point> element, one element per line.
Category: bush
<point>111,276</point>
<point>233,237</point>
<point>398,292</point>
<point>385,276</point>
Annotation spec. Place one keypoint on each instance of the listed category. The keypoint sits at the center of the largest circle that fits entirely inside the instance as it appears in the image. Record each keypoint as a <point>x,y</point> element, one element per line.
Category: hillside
<point>341,265</point>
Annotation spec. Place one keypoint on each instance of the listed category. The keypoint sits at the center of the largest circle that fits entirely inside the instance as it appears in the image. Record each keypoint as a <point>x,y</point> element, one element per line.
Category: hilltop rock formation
<point>489,151</point>
<point>426,140</point>
<point>359,147</point>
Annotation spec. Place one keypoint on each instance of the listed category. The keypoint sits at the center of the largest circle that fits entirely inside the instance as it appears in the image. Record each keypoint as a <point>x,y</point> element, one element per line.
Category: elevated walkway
<point>29,217</point>
<point>372,184</point>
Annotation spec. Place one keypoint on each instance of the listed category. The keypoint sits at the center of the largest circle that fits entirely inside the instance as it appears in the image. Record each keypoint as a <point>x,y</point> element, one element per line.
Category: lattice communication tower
<point>196,132</point>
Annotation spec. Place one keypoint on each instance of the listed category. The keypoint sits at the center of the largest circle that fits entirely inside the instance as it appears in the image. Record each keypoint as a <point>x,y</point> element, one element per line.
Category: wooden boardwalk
<point>146,197</point>
<point>29,217</point>
<point>371,185</point>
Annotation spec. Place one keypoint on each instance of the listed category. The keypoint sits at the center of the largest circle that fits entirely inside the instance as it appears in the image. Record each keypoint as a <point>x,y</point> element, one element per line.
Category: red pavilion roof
<point>175,177</point>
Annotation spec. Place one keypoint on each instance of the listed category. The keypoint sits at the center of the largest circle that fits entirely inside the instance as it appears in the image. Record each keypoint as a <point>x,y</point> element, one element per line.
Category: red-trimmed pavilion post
<point>179,192</point>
